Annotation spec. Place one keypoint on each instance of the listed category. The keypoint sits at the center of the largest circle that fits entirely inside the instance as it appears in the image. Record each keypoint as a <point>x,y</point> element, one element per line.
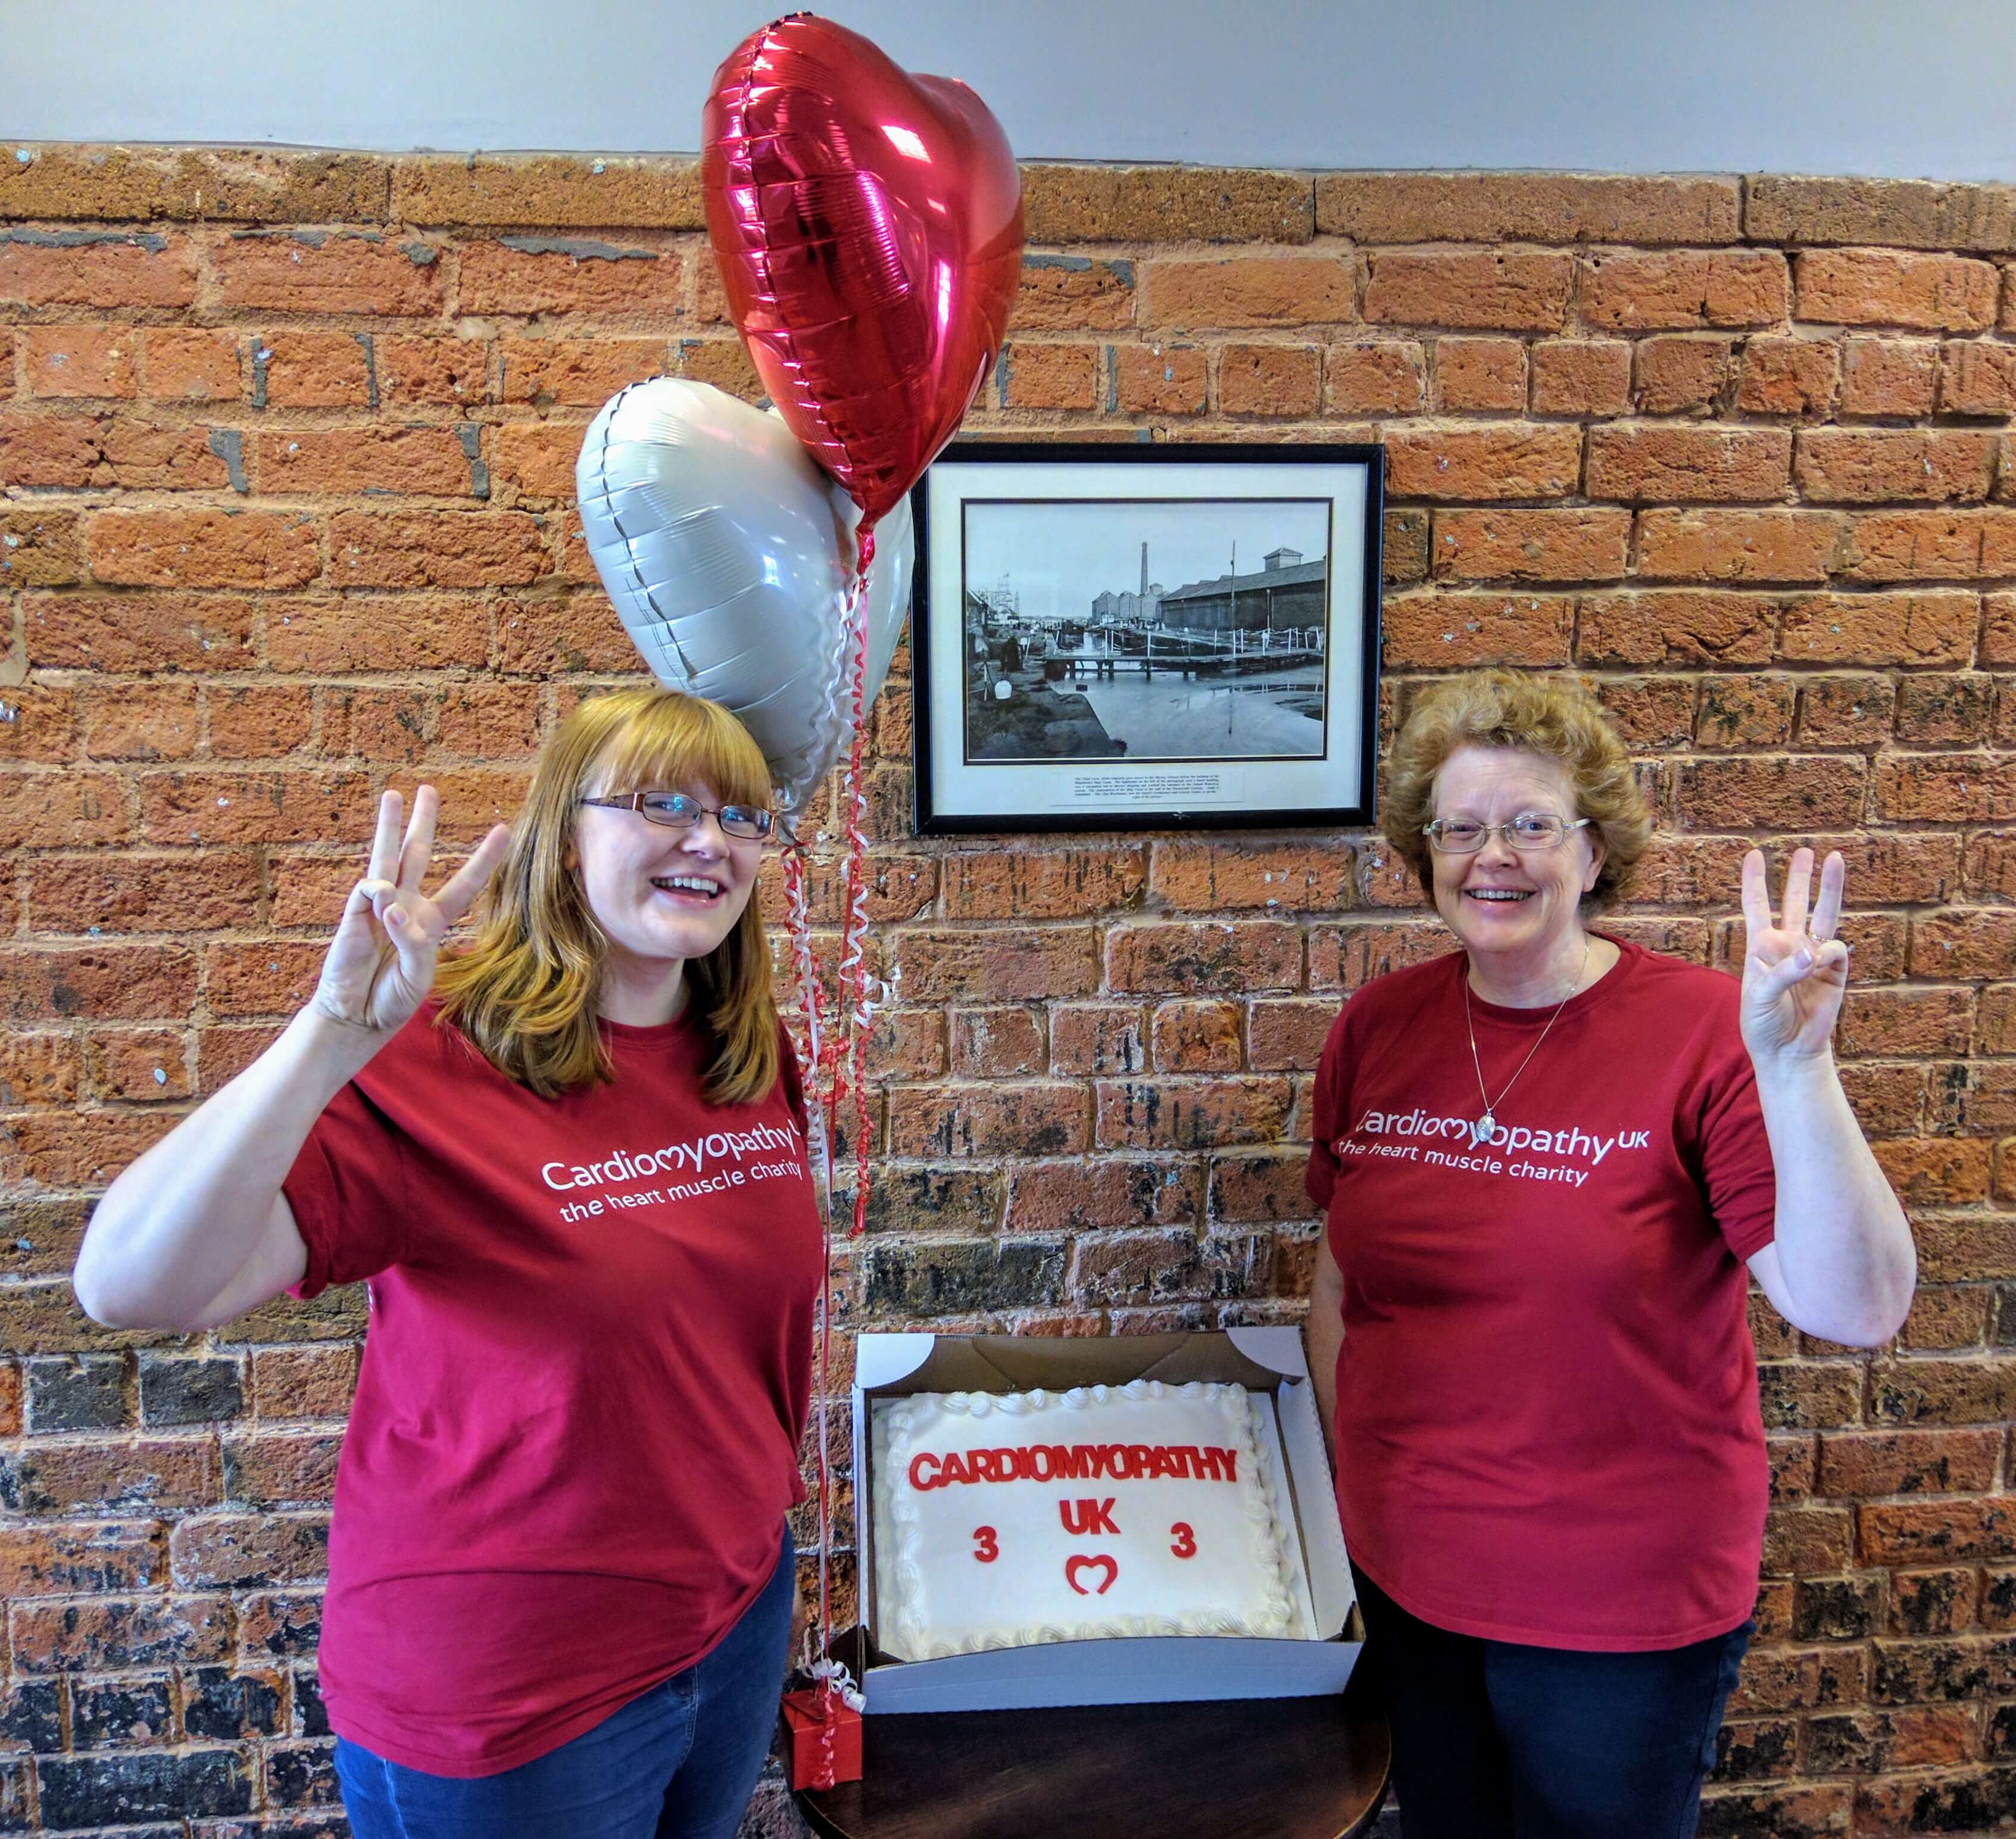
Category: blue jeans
<point>678,1763</point>
<point>1493,1740</point>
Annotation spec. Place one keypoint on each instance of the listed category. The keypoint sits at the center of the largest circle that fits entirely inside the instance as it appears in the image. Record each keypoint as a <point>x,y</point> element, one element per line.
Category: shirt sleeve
<point>794,1082</point>
<point>349,1194</point>
<point>1735,1155</point>
<point>1320,1181</point>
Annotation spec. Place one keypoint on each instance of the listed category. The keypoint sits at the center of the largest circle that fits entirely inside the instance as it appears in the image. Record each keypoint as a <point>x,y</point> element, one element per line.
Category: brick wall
<point>285,448</point>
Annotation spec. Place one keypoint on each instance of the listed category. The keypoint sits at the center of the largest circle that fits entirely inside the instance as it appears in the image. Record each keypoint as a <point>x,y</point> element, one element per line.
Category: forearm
<point>1844,1245</point>
<point>180,1223</point>
<point>1323,1334</point>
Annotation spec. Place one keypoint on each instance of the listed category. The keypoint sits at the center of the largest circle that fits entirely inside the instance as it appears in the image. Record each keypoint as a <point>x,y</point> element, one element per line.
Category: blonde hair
<point>524,991</point>
<point>1553,716</point>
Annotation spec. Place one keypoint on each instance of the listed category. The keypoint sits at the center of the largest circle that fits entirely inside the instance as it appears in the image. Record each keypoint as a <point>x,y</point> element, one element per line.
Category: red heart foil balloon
<point>868,225</point>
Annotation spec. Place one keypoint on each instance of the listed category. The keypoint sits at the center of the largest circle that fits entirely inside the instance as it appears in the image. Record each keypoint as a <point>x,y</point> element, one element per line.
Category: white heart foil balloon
<point>728,554</point>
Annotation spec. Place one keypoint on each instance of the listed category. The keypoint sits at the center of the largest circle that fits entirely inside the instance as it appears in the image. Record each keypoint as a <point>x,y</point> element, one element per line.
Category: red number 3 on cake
<point>985,1549</point>
<point>1186,1540</point>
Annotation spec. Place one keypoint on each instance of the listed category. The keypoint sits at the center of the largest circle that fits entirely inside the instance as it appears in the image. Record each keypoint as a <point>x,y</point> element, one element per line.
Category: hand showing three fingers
<point>380,965</point>
<point>1794,969</point>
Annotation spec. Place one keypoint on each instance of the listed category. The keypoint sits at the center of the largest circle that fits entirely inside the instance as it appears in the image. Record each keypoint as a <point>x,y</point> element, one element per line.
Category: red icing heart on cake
<point>1101,1561</point>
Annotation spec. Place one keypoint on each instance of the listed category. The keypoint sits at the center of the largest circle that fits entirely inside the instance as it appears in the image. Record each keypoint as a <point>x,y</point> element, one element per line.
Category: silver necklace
<point>1488,1123</point>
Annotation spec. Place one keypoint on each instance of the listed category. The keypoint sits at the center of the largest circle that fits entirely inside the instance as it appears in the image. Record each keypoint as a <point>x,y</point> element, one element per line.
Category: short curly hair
<point>1553,716</point>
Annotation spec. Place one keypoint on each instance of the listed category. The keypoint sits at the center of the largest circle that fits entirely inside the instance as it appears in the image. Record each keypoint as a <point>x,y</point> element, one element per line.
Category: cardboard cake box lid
<point>1136,1669</point>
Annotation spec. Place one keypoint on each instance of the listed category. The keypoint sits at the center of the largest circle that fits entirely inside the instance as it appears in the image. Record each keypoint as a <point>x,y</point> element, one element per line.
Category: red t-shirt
<point>1548,1429</point>
<point>588,1366</point>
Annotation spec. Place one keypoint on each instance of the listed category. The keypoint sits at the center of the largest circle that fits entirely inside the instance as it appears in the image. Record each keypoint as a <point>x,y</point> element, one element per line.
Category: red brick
<point>1190,1113</point>
<point>1286,1034</point>
<point>1034,1119</point>
<point>1158,380</point>
<point>1021,966</point>
<point>85,1557</point>
<point>1374,376</point>
<point>1052,375</point>
<point>542,634</point>
<point>430,460</point>
<point>1677,625</point>
<point>1292,290</point>
<point>1843,466</point>
<point>139,632</point>
<point>1212,877</point>
<point>1891,288</point>
<point>1744,712</point>
<point>571,276</point>
<point>1998,631</point>
<point>85,361</point>
<point>1750,545</point>
<point>576,372</point>
<point>1922,1021</point>
<point>1786,792</point>
<point>1478,374</point>
<point>260,722</point>
<point>204,548</point>
<point>443,371</point>
<point>273,979</point>
<point>1494,460</point>
<point>142,1064</point>
<point>538,460</point>
<point>313,370</point>
<point>1512,545</point>
<point>1920,213</point>
<point>1888,375</point>
<point>1525,207</point>
<point>1949,789</point>
<point>255,807</point>
<point>127,892</point>
<point>1906,629</point>
<point>72,806</point>
<point>230,1551</point>
<point>1649,712</point>
<point>997,1043</point>
<point>38,1068</point>
<point>1581,377</point>
<point>1688,464</point>
<point>1991,864</point>
<point>1846,712</point>
<point>102,1633</point>
<point>722,362</point>
<point>1097,1037</point>
<point>1346,957</point>
<point>303,1382</point>
<point>1926,545</point>
<point>188,366</point>
<point>1487,289</point>
<point>318,271</point>
<point>95,269</point>
<point>52,450</point>
<point>1947,1318</point>
<point>1942,710</point>
<point>1073,294</point>
<point>1789,376</point>
<point>325,633</point>
<point>1089,1195</point>
<point>39,548</point>
<point>1202,959</point>
<point>280,1468</point>
<point>435,549</point>
<point>1033,885</point>
<point>1978,378</point>
<point>142,722</point>
<point>1934,1171</point>
<point>1679,372</point>
<point>134,982</point>
<point>1267,379</point>
<point>39,724</point>
<point>1635,292</point>
<point>1197,1036</point>
<point>1979,943</point>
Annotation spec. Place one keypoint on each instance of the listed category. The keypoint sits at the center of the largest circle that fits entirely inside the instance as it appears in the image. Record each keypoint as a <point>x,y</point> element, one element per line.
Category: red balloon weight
<point>868,225</point>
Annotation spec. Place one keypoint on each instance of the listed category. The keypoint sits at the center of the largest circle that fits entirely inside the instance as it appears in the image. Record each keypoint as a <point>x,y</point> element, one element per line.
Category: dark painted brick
<point>118,1790</point>
<point>32,1715</point>
<point>83,1392</point>
<point>189,1391</point>
<point>225,1706</point>
<point>979,1274</point>
<point>120,1711</point>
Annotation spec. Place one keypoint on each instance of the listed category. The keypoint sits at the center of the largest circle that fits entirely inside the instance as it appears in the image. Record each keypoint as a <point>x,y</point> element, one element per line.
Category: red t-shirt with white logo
<point>588,1366</point>
<point>1548,1429</point>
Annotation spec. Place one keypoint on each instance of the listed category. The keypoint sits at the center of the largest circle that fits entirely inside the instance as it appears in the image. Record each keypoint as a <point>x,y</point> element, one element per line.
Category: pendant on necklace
<point>1487,1123</point>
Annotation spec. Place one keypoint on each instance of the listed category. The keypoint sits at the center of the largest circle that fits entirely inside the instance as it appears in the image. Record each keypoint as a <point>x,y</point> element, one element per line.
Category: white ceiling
<point>1828,86</point>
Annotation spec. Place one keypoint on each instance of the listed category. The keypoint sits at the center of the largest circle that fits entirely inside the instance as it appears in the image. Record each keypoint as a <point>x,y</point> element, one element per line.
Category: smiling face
<point>660,894</point>
<point>1518,911</point>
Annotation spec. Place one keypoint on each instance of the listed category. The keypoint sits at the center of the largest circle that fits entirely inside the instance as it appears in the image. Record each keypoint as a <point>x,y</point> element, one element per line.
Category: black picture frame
<point>1049,696</point>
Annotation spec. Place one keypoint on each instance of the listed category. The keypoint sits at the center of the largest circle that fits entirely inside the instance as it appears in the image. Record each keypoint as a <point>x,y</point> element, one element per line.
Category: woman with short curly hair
<point>1550,1162</point>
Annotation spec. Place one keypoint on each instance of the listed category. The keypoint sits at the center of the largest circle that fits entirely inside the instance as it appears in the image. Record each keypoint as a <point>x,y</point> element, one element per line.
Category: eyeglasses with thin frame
<point>746,823</point>
<point>1530,830</point>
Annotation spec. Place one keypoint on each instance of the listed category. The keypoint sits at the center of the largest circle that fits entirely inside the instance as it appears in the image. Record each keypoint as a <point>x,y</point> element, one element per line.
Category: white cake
<point>1006,1518</point>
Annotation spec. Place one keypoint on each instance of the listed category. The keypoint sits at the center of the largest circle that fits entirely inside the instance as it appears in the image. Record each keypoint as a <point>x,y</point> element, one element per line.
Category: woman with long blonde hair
<point>568,1163</point>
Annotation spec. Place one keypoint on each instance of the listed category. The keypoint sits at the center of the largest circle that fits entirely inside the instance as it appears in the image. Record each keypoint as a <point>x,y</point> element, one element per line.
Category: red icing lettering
<point>1186,1541</point>
<point>1103,1561</point>
<point>918,1479</point>
<point>986,1548</point>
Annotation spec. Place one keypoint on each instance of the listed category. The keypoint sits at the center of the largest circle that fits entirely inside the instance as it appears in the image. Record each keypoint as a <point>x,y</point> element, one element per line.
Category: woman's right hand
<point>381,962</point>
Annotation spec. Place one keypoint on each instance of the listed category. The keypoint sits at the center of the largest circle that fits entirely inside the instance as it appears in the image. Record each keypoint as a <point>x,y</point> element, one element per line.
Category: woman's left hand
<point>1795,971</point>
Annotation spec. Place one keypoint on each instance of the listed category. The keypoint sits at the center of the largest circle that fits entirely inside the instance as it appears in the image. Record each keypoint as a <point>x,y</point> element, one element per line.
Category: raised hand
<point>1795,970</point>
<point>381,962</point>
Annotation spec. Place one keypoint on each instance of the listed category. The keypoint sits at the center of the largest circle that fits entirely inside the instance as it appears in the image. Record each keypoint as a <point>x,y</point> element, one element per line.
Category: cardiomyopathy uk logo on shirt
<point>1486,1147</point>
<point>712,1163</point>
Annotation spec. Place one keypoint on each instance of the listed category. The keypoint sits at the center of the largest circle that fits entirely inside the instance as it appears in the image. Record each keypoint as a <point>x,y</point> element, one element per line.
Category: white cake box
<point>1269,1363</point>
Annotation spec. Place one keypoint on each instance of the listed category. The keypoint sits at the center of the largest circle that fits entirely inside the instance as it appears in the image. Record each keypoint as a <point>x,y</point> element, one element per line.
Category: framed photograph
<point>1109,637</point>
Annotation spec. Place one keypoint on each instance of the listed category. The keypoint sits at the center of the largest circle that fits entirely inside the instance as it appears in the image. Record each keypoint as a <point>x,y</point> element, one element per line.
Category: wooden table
<point>1242,1768</point>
